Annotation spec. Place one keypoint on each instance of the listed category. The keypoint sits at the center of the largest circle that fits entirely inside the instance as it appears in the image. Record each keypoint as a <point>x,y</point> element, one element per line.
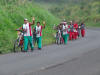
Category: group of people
<point>28,34</point>
<point>71,31</point>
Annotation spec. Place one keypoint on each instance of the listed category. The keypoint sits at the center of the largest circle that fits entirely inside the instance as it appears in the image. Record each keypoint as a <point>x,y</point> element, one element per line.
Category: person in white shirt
<point>28,34</point>
<point>65,32</point>
<point>38,30</point>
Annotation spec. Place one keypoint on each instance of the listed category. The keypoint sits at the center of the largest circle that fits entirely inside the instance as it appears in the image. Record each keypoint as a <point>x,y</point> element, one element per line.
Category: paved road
<point>80,57</point>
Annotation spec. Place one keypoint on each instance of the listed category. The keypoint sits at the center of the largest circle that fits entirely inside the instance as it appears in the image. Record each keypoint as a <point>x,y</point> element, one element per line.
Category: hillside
<point>76,10</point>
<point>12,16</point>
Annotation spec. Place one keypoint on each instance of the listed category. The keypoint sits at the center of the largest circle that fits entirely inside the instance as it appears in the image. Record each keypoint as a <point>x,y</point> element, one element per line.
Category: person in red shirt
<point>71,31</point>
<point>75,30</point>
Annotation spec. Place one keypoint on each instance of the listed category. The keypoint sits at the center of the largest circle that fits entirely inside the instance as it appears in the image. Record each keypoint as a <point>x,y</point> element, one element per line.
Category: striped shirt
<point>28,29</point>
<point>38,31</point>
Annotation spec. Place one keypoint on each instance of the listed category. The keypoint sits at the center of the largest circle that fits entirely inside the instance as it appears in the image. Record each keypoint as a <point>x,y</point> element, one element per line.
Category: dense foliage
<point>77,10</point>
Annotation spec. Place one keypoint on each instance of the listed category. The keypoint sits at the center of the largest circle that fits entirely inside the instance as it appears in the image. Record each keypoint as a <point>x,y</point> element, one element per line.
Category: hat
<point>71,21</point>
<point>64,22</point>
<point>25,19</point>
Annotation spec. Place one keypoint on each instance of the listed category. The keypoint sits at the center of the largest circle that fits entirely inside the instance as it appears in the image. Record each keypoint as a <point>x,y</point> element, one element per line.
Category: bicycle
<point>59,39</point>
<point>18,44</point>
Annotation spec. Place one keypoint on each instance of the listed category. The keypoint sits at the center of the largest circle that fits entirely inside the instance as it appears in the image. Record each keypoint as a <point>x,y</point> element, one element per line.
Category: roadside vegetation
<point>13,12</point>
<point>12,16</point>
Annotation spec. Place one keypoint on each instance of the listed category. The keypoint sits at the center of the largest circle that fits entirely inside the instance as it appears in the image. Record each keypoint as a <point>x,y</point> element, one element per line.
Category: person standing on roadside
<point>28,34</point>
<point>38,30</point>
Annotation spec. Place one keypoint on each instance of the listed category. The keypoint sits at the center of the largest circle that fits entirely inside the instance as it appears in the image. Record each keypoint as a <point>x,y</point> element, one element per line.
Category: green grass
<point>12,16</point>
<point>93,24</point>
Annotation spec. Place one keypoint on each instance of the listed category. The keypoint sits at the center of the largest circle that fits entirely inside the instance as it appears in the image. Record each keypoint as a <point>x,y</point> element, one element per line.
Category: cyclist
<point>58,33</point>
<point>38,29</point>
<point>27,34</point>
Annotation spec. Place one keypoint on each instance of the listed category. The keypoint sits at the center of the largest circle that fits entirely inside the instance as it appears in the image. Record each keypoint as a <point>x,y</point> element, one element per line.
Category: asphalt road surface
<point>79,57</point>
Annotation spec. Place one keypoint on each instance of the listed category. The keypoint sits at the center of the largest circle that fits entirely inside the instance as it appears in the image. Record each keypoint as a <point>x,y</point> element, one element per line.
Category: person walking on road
<point>79,30</point>
<point>65,32</point>
<point>82,29</point>
<point>71,31</point>
<point>75,30</point>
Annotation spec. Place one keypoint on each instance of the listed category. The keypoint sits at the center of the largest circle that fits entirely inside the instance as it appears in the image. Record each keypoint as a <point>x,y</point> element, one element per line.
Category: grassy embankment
<point>12,15</point>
